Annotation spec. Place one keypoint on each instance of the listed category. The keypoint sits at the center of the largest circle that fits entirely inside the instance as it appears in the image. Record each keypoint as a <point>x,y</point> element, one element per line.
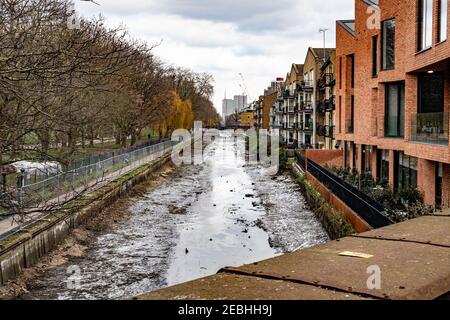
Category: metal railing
<point>64,185</point>
<point>430,128</point>
<point>366,207</point>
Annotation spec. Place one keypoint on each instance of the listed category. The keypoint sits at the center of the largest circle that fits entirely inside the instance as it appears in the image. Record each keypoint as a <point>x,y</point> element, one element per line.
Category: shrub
<point>403,205</point>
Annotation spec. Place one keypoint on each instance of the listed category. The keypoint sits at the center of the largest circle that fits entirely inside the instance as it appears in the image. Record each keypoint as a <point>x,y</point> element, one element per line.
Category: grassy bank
<point>333,222</point>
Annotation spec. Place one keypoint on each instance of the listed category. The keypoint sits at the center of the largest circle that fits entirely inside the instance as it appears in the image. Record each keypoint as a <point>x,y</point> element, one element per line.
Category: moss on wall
<point>333,222</point>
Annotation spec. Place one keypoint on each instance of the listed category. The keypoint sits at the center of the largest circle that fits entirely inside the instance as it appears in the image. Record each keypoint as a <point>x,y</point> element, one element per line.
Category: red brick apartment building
<point>393,94</point>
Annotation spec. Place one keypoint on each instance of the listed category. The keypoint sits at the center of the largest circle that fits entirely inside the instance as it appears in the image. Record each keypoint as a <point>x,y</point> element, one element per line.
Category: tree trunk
<point>83,138</point>
<point>92,136</point>
<point>133,138</point>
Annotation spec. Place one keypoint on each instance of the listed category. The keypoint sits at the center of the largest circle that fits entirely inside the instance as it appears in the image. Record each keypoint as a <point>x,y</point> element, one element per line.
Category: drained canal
<point>202,218</point>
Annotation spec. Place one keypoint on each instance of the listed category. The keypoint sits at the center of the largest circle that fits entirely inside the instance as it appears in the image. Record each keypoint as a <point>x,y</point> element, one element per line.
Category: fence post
<point>4,182</point>
<point>20,183</point>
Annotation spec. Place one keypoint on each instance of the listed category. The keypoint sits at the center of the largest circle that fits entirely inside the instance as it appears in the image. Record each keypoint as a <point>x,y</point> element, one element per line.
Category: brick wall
<point>369,91</point>
<point>330,158</point>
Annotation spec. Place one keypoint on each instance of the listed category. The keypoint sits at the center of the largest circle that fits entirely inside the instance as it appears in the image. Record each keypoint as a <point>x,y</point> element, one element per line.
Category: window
<point>348,151</point>
<point>340,114</point>
<point>388,44</point>
<point>431,93</point>
<point>340,72</point>
<point>351,59</point>
<point>375,56</point>
<point>367,158</point>
<point>383,165</point>
<point>351,126</point>
<point>394,110</point>
<point>443,20</point>
<point>425,24</point>
<point>407,172</point>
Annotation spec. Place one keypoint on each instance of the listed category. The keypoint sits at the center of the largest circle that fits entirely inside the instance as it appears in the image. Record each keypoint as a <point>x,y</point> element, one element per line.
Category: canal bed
<point>203,218</point>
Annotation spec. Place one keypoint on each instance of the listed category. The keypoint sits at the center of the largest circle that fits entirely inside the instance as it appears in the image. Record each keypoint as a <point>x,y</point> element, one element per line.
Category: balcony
<point>327,80</point>
<point>306,106</point>
<point>306,127</point>
<point>430,128</point>
<point>320,107</point>
<point>329,105</point>
<point>307,86</point>
<point>291,110</point>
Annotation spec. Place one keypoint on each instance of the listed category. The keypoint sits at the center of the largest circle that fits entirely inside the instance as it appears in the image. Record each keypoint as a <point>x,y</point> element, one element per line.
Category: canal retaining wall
<point>338,219</point>
<point>24,249</point>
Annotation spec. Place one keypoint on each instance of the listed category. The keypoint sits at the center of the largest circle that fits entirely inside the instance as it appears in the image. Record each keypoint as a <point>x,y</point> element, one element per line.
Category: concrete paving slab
<point>432,230</point>
<point>225,286</point>
<point>408,270</point>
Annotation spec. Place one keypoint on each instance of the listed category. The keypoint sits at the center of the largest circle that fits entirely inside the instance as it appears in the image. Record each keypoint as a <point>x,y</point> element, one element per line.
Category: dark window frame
<point>383,156</point>
<point>420,82</point>
<point>352,70</point>
<point>375,53</point>
<point>440,15</point>
<point>383,55</point>
<point>421,25</point>
<point>407,176</point>
<point>352,114</point>
<point>399,86</point>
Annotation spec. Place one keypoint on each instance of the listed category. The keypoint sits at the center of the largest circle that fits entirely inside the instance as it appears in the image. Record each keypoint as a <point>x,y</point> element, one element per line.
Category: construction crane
<point>244,87</point>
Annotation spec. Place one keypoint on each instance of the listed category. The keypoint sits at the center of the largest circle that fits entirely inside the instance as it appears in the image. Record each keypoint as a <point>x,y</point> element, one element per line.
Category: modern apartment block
<point>393,94</point>
<point>263,105</point>
<point>303,111</point>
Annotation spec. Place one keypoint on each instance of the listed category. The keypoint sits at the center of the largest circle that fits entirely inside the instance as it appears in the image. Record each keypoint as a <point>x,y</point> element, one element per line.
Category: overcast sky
<point>258,38</point>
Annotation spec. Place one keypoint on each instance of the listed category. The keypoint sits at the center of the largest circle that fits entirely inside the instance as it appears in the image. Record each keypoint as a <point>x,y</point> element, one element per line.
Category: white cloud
<point>259,38</point>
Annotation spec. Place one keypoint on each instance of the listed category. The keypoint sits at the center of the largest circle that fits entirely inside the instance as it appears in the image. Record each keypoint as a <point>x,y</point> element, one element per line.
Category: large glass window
<point>407,171</point>
<point>443,20</point>
<point>431,93</point>
<point>425,24</point>
<point>388,44</point>
<point>395,110</point>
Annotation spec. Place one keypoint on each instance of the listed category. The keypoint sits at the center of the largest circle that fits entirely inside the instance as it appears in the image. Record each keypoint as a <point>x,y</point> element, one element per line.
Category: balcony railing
<point>430,128</point>
<point>306,127</point>
<point>329,105</point>
<point>306,106</point>
<point>327,80</point>
<point>307,85</point>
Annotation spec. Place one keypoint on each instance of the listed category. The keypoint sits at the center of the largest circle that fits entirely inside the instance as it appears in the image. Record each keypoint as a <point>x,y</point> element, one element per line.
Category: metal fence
<point>366,207</point>
<point>37,176</point>
<point>66,185</point>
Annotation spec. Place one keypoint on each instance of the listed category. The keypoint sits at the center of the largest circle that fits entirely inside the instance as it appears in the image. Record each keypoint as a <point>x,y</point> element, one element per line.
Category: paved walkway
<point>413,259</point>
<point>12,224</point>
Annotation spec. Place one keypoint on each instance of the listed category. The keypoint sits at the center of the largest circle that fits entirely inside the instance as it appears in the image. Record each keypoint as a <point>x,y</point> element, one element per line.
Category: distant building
<point>246,119</point>
<point>240,103</point>
<point>227,107</point>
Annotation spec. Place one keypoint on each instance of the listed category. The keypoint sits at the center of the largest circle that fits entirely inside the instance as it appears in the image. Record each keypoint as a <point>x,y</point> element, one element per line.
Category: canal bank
<point>24,248</point>
<point>201,219</point>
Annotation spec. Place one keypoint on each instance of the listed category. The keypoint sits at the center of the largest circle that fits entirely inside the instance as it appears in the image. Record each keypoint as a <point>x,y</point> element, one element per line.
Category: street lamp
<point>324,31</point>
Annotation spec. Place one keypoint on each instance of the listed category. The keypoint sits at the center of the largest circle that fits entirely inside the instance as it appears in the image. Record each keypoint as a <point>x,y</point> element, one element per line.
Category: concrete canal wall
<point>338,219</point>
<point>24,249</point>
